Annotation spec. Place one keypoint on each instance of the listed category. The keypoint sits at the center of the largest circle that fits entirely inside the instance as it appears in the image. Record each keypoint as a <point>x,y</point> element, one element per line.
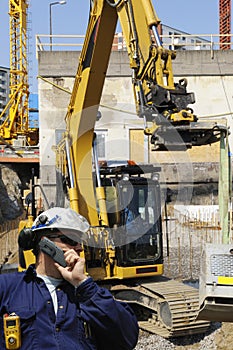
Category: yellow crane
<point>14,118</point>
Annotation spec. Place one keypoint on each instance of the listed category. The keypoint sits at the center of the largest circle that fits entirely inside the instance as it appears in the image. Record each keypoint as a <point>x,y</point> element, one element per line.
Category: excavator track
<point>172,307</point>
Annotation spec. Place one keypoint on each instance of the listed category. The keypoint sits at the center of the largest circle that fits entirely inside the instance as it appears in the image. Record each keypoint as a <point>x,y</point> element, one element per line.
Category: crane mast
<point>15,116</point>
<point>18,64</point>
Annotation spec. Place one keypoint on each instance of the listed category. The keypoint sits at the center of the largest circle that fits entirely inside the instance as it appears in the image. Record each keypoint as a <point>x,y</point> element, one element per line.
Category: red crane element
<point>225,24</point>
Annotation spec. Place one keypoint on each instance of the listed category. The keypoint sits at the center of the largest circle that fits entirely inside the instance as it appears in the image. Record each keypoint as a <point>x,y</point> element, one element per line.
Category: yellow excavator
<point>121,201</point>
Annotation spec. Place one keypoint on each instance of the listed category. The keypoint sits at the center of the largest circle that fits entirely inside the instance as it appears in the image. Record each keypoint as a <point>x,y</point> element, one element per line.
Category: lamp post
<point>50,18</point>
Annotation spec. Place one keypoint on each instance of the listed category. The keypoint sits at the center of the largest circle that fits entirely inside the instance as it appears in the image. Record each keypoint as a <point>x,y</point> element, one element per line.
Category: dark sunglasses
<point>64,239</point>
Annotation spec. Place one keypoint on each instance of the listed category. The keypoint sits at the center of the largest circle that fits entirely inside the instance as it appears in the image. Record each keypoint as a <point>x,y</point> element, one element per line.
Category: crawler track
<point>171,307</point>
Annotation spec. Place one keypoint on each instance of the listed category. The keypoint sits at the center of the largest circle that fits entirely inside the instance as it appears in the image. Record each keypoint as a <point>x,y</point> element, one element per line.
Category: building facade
<point>4,87</point>
<point>173,39</point>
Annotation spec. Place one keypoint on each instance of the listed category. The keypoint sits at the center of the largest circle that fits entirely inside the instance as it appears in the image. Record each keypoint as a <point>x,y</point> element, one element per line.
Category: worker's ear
<point>27,239</point>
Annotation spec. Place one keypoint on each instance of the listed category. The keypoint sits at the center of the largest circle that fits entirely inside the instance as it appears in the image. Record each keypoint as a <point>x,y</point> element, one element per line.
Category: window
<point>100,140</point>
<point>101,136</point>
<point>59,135</point>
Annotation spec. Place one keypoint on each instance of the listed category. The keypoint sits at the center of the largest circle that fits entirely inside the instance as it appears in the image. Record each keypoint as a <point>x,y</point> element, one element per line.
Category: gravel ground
<point>219,337</point>
<point>201,342</point>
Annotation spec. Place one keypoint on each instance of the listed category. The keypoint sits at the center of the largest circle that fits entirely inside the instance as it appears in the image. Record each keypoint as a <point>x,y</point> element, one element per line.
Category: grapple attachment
<point>179,137</point>
<point>216,283</point>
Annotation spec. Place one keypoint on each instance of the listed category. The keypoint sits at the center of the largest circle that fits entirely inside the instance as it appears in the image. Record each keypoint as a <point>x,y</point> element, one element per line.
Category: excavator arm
<point>163,104</point>
<point>156,95</point>
<point>158,100</point>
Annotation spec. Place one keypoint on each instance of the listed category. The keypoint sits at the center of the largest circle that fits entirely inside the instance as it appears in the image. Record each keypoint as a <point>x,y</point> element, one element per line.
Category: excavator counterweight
<point>216,283</point>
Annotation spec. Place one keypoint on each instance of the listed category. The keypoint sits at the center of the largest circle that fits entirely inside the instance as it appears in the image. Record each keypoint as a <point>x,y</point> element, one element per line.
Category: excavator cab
<point>140,217</point>
<point>133,206</point>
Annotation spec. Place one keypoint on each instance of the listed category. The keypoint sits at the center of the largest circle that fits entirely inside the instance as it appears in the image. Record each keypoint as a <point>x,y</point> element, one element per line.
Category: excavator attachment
<point>180,137</point>
<point>216,283</point>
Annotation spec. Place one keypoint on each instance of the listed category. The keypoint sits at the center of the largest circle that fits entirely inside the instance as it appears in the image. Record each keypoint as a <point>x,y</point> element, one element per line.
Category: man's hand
<point>74,271</point>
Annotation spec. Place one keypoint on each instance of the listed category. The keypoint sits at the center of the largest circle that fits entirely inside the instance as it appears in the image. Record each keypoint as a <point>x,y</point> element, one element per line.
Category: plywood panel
<point>137,145</point>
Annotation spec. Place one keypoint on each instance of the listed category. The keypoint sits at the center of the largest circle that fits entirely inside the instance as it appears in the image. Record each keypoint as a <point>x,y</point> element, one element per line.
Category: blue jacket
<point>87,318</point>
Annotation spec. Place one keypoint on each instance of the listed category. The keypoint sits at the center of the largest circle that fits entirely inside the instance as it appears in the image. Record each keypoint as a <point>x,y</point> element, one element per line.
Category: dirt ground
<point>220,339</point>
<point>224,338</point>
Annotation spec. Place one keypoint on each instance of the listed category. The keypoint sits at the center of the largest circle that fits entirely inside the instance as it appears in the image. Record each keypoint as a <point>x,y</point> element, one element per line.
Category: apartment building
<point>173,39</point>
<point>176,39</point>
<point>4,87</point>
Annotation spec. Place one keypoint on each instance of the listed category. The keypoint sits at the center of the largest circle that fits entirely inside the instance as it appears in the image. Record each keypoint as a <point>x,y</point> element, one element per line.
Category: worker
<point>60,307</point>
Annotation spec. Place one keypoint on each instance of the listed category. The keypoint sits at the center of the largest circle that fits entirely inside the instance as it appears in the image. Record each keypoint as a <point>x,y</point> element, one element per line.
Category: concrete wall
<point>209,76</point>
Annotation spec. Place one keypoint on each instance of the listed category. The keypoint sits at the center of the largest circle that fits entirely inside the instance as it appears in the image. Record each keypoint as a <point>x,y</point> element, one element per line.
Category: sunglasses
<point>64,239</point>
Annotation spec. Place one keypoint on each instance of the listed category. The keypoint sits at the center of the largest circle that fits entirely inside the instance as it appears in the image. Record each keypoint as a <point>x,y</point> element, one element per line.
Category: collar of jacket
<point>31,275</point>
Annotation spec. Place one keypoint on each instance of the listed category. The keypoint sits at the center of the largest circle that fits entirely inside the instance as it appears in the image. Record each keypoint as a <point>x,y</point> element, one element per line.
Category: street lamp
<point>50,18</point>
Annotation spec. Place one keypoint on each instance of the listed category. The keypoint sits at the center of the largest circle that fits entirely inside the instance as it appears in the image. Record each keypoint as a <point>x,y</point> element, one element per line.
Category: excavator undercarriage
<point>165,307</point>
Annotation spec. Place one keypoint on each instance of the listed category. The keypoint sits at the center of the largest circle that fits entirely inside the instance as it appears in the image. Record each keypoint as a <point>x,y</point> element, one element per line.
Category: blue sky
<point>195,17</point>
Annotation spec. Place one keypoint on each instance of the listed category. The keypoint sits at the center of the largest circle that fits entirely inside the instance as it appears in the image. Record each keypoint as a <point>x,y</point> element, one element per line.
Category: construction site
<point>137,119</point>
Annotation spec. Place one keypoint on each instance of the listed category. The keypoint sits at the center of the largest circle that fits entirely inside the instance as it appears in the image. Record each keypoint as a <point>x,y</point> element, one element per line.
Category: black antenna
<point>33,195</point>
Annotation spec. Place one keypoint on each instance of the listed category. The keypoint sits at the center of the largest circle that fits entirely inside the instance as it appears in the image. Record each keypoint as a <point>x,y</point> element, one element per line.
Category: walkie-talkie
<point>50,248</point>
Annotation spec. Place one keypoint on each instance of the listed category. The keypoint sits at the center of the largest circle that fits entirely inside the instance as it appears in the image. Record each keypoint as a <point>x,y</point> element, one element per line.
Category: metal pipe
<point>156,35</point>
<point>68,156</point>
<point>63,2</point>
<point>97,169</point>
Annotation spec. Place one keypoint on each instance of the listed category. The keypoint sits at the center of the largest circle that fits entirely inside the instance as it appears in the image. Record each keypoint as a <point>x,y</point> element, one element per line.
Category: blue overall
<point>87,318</point>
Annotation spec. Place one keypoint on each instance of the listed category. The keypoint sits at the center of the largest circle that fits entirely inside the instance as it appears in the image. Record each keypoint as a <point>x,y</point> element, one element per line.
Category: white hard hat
<point>66,220</point>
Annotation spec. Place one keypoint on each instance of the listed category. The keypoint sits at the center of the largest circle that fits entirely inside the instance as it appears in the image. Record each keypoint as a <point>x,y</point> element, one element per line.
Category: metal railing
<point>209,42</point>
<point>172,41</point>
<point>59,42</point>
<point>187,235</point>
